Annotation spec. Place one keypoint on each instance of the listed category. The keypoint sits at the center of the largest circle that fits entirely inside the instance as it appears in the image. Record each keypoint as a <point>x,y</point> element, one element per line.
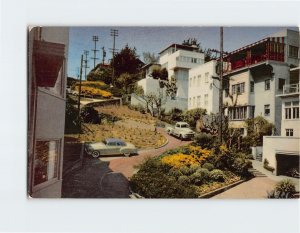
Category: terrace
<point>271,48</point>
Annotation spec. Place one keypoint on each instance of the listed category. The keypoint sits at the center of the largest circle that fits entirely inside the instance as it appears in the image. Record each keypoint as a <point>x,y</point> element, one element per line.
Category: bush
<point>217,175</point>
<point>72,125</point>
<point>90,115</point>
<point>185,170</point>
<point>208,166</point>
<point>240,166</point>
<point>152,181</point>
<point>183,179</point>
<point>204,173</point>
<point>205,141</point>
<point>283,189</point>
<point>266,166</point>
<point>176,115</point>
<point>175,172</point>
<point>192,116</point>
<point>197,178</point>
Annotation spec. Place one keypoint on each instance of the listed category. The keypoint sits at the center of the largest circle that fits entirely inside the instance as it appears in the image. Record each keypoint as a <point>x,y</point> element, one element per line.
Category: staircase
<point>258,157</point>
<point>256,173</point>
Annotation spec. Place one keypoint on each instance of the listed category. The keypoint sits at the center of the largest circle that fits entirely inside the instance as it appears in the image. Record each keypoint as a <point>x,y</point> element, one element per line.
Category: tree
<point>100,73</point>
<point>192,42</point>
<point>150,57</point>
<point>126,61</point>
<point>124,81</point>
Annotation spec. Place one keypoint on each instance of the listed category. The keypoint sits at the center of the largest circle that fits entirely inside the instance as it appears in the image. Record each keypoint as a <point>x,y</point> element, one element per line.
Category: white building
<point>47,65</point>
<point>282,152</point>
<point>178,60</point>
<point>257,74</point>
<point>203,91</point>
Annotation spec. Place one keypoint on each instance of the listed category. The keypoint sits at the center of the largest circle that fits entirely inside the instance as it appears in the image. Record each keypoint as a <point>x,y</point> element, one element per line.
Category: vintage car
<point>110,146</point>
<point>181,130</point>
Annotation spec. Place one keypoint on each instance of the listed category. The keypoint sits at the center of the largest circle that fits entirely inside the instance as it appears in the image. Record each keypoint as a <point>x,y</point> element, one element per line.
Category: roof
<point>278,39</point>
<point>108,140</point>
<point>180,46</point>
<point>150,64</point>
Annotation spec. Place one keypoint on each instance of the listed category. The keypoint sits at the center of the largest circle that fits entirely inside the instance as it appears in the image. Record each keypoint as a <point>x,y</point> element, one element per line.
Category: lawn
<point>140,137</point>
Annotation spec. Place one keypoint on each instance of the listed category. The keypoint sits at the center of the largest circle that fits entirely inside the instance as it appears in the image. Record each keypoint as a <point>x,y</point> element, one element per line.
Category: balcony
<point>291,89</point>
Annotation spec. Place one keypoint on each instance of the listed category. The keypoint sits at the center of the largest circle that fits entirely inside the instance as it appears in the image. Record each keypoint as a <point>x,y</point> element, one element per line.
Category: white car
<point>110,146</point>
<point>181,130</point>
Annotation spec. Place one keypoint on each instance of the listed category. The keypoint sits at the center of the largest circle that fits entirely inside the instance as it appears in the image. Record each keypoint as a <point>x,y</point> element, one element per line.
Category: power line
<point>113,33</point>
<point>95,39</point>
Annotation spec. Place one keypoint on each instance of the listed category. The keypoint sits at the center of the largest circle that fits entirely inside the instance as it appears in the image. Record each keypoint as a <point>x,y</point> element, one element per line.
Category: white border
<point>153,216</point>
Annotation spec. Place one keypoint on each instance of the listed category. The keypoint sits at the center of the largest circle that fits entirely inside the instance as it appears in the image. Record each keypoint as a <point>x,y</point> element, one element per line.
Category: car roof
<point>108,140</point>
<point>181,122</point>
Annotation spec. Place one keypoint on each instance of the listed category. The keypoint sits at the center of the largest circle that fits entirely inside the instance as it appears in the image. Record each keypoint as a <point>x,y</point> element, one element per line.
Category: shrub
<point>283,189</point>
<point>208,166</point>
<point>205,140</point>
<point>183,179</point>
<point>241,166</point>
<point>204,173</point>
<point>71,118</point>
<point>192,116</point>
<point>266,166</point>
<point>176,114</point>
<point>90,115</point>
<point>185,170</point>
<point>175,172</point>
<point>197,178</point>
<point>217,175</point>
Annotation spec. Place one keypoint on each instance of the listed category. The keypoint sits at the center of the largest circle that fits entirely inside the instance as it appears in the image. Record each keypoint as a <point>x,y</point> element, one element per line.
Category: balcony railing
<point>291,88</point>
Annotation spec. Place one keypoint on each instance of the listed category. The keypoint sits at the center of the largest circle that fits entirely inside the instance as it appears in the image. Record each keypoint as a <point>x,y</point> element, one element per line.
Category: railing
<point>291,88</point>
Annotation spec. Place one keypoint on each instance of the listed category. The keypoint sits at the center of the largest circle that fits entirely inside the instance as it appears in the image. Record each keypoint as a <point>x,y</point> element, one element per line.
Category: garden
<point>189,172</point>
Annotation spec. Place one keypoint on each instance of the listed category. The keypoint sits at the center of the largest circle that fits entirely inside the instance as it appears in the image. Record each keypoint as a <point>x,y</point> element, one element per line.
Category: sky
<point>154,39</point>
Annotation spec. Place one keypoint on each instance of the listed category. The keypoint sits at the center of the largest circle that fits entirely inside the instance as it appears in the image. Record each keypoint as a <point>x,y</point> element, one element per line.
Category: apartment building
<point>47,63</point>
<point>256,74</point>
<point>203,91</point>
<point>282,151</point>
<point>178,60</point>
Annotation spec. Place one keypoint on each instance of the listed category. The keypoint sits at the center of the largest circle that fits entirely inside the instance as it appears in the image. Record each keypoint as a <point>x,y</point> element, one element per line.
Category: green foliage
<point>205,141</point>
<point>208,166</point>
<point>150,57</point>
<point>90,115</point>
<point>217,175</point>
<point>197,178</point>
<point>192,116</point>
<point>138,90</point>
<point>266,166</point>
<point>124,81</point>
<point>153,181</point>
<point>100,73</point>
<point>72,125</point>
<point>204,173</point>
<point>175,172</point>
<point>183,179</point>
<point>283,189</point>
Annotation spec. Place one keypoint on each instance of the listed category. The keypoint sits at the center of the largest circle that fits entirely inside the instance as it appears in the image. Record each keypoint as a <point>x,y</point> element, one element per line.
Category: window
<point>289,132</point>
<point>281,83</point>
<point>267,109</point>
<point>238,88</point>
<point>237,113</point>
<point>252,111</point>
<point>206,77</point>
<point>252,86</point>
<point>206,99</point>
<point>291,110</point>
<point>198,101</point>
<point>293,51</point>
<point>194,101</point>
<point>46,161</point>
<point>267,84</point>
<point>199,80</point>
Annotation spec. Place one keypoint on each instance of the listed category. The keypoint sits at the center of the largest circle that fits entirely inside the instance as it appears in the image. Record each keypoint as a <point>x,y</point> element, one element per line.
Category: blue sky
<point>154,39</point>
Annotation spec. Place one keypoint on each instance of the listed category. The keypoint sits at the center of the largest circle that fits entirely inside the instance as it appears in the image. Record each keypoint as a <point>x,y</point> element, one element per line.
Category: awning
<point>48,59</point>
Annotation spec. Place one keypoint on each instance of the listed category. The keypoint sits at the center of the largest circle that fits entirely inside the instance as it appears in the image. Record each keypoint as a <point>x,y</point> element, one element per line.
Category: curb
<point>145,149</point>
<point>222,189</point>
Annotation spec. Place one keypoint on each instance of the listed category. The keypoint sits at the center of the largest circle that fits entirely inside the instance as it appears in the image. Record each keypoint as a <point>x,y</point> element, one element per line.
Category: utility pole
<point>79,93</point>
<point>103,55</point>
<point>95,39</point>
<point>113,33</point>
<point>86,53</point>
<point>221,88</point>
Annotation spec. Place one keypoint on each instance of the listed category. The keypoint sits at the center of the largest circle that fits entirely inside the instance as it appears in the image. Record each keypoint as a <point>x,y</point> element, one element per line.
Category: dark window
<point>267,109</point>
<point>251,86</point>
<point>289,132</point>
<point>252,110</point>
<point>267,84</point>
<point>281,83</point>
<point>293,51</point>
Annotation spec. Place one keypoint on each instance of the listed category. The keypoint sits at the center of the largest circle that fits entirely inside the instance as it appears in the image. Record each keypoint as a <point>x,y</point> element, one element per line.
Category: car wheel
<point>95,154</point>
<point>127,154</point>
<point>180,137</point>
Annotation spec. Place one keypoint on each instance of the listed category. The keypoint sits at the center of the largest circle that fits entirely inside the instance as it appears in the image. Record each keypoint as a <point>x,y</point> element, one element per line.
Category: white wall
<point>199,86</point>
<point>289,123</point>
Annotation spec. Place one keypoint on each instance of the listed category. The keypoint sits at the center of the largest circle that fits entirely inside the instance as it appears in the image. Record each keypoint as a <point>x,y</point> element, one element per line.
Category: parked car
<point>110,146</point>
<point>181,130</point>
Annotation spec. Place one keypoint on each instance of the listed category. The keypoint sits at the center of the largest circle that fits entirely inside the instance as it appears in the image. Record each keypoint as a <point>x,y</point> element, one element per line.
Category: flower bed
<point>188,172</point>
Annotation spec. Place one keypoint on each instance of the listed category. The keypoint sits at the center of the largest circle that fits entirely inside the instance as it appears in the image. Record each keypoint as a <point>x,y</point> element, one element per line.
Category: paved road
<point>126,165</point>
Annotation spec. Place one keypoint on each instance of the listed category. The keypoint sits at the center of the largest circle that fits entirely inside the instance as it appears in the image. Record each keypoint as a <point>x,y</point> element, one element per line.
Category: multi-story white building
<point>203,91</point>
<point>178,60</point>
<point>282,152</point>
<point>47,63</point>
<point>256,74</point>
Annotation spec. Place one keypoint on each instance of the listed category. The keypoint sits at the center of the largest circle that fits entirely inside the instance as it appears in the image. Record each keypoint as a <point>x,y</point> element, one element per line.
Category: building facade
<point>47,65</point>
<point>203,91</point>
<point>256,74</point>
